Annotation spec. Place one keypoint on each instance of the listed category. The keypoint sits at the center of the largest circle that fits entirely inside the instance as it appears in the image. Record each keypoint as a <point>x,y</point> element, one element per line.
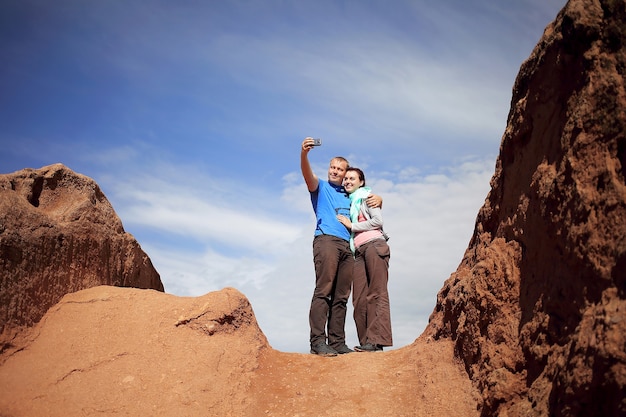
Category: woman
<point>370,297</point>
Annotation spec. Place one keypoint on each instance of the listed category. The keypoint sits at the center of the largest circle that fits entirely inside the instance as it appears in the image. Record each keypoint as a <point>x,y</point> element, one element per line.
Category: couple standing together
<point>349,249</point>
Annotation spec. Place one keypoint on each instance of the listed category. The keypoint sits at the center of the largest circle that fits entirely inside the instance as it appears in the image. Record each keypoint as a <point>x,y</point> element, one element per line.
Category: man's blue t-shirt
<point>328,201</point>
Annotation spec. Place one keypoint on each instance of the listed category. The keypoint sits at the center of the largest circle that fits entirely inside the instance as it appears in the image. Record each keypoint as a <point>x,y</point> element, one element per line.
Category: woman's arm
<point>374,221</point>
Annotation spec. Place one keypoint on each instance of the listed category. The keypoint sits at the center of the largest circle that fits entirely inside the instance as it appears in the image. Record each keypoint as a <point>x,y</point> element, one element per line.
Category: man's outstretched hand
<point>374,201</point>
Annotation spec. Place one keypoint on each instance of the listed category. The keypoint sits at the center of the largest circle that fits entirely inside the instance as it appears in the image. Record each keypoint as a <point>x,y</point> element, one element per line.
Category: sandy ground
<point>129,352</point>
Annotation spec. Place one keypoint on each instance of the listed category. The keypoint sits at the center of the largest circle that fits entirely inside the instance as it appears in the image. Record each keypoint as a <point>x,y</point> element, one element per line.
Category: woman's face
<point>351,182</point>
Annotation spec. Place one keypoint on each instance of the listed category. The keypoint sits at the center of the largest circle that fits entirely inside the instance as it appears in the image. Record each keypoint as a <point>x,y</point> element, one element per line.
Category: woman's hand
<point>345,221</point>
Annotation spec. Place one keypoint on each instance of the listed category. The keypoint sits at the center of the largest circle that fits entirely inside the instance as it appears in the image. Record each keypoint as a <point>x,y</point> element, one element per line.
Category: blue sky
<point>190,115</point>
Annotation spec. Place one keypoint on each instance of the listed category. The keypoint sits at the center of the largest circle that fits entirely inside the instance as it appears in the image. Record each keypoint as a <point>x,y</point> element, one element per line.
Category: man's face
<point>336,171</point>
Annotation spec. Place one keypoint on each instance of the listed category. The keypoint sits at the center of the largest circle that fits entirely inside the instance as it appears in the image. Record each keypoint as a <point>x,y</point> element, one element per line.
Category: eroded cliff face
<point>59,234</point>
<point>537,307</point>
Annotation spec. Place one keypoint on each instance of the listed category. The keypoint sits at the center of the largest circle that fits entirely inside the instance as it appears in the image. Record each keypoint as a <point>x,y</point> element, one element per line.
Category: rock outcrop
<point>537,306</point>
<point>123,351</point>
<point>59,234</point>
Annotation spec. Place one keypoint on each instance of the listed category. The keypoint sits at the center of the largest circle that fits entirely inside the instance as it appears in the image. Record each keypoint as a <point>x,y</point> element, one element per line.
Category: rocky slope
<point>537,307</point>
<point>131,352</point>
<point>59,234</point>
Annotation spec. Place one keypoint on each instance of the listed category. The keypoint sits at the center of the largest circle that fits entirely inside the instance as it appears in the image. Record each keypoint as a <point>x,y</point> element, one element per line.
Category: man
<point>331,255</point>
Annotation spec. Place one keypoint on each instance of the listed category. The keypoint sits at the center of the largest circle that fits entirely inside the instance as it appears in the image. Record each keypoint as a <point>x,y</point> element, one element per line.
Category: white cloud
<point>223,214</point>
<point>384,84</point>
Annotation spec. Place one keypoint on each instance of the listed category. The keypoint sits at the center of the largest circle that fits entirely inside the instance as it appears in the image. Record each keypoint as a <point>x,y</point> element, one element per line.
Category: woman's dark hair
<point>359,173</point>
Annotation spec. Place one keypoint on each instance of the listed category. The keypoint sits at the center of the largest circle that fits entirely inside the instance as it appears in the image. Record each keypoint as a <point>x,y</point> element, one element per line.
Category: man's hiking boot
<point>343,349</point>
<point>323,349</point>
<point>368,347</point>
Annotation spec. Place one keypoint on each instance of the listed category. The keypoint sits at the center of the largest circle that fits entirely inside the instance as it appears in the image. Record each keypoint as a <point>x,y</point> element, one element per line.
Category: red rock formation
<point>537,307</point>
<point>59,234</point>
<point>123,351</point>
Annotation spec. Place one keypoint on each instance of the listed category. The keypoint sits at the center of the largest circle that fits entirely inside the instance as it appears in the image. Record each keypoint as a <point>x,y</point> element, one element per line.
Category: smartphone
<point>317,142</point>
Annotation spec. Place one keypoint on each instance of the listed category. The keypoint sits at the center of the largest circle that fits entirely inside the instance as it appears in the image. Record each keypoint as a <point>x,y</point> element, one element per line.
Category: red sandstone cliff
<point>537,307</point>
<point>59,234</point>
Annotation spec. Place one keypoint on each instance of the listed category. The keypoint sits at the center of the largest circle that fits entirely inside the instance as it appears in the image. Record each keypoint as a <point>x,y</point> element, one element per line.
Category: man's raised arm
<point>309,176</point>
<point>374,201</point>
